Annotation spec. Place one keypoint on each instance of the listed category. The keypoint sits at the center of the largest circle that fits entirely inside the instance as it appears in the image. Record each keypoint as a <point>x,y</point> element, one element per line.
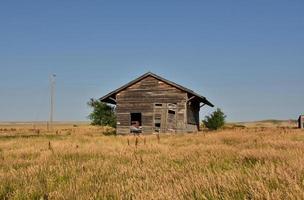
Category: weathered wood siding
<point>141,98</point>
<point>301,122</point>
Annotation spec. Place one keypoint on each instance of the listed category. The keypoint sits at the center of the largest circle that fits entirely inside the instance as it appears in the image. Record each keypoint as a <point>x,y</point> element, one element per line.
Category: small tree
<point>216,120</point>
<point>102,114</point>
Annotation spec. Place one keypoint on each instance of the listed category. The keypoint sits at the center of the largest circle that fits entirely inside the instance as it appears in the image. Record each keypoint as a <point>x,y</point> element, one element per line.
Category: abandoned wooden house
<point>151,104</point>
<point>301,121</point>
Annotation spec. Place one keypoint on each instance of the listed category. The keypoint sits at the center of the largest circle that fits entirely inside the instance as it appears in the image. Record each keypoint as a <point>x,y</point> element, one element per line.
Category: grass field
<point>78,162</point>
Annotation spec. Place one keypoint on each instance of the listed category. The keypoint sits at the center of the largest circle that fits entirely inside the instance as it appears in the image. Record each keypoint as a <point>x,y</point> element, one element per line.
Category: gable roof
<point>110,98</point>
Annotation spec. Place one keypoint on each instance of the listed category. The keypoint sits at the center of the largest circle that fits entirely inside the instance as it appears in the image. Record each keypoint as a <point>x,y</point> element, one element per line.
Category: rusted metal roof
<point>110,98</point>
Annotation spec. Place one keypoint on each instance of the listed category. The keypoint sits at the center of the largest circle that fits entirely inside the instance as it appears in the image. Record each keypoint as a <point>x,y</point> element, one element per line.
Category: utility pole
<point>52,87</point>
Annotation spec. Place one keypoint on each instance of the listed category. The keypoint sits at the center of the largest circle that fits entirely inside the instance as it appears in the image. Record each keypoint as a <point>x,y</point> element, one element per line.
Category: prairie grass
<point>251,163</point>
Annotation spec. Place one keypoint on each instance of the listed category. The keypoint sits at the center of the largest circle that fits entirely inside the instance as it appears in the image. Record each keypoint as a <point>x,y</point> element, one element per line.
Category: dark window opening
<point>136,123</point>
<point>136,119</point>
<point>171,112</point>
<point>158,105</point>
<point>157,125</point>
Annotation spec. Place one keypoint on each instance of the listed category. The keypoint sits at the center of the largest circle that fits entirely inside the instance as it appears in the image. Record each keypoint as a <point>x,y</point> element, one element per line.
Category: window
<point>136,119</point>
<point>158,105</point>
<point>136,123</point>
<point>171,112</point>
<point>157,125</point>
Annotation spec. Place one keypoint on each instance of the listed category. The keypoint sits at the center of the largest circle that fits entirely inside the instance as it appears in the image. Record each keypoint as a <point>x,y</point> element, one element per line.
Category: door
<point>171,117</point>
<point>165,119</point>
<point>158,117</point>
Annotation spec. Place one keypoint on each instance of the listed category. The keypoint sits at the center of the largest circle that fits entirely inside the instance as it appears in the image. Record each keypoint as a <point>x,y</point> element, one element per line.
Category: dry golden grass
<point>255,163</point>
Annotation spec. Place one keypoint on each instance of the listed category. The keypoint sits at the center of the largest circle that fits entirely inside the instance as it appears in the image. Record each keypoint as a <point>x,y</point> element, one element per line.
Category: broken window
<point>136,123</point>
<point>171,112</point>
<point>157,127</point>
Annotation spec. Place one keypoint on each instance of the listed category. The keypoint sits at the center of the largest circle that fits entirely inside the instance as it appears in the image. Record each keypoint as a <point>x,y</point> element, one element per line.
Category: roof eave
<point>107,99</point>
<point>205,101</point>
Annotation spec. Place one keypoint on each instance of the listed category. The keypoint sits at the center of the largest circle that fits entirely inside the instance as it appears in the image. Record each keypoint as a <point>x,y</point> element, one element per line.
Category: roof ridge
<point>149,73</point>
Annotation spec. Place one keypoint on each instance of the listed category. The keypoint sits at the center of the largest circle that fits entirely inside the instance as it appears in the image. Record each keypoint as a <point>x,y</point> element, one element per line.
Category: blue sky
<point>247,57</point>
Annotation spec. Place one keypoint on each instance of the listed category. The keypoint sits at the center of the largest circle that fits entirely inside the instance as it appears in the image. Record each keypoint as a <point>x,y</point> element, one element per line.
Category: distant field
<point>37,128</point>
<point>271,123</point>
<point>43,126</point>
<point>78,162</point>
<point>85,126</point>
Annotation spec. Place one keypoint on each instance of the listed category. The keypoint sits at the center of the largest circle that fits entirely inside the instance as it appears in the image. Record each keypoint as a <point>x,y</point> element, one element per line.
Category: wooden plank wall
<point>141,97</point>
<point>301,122</point>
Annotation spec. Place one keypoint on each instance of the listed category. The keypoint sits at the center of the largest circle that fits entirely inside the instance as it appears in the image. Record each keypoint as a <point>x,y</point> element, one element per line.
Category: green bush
<point>102,114</point>
<point>215,121</point>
